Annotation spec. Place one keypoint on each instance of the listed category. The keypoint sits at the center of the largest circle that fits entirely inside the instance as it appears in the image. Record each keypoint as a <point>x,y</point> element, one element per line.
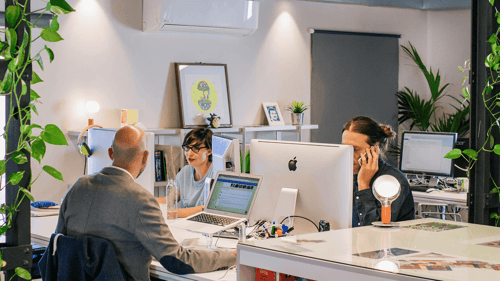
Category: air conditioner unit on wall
<point>226,17</point>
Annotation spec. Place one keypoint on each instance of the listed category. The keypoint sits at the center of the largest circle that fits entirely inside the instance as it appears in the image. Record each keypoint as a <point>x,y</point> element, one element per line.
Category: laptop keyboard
<point>213,219</point>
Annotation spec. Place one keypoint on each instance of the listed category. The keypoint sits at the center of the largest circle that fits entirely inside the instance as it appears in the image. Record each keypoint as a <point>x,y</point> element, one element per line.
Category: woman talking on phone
<point>369,140</point>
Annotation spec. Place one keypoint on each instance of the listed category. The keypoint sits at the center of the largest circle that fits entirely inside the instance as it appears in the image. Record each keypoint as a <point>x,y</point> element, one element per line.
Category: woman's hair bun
<point>388,131</point>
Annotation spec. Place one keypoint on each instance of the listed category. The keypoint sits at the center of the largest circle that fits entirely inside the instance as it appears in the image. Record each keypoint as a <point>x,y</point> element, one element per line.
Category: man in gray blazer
<point>110,205</point>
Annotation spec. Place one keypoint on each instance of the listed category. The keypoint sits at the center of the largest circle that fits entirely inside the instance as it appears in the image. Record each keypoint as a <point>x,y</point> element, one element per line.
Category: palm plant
<point>421,112</point>
<point>417,110</point>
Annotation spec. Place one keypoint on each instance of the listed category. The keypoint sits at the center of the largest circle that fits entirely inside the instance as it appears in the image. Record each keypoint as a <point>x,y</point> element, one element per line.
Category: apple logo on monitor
<point>292,164</point>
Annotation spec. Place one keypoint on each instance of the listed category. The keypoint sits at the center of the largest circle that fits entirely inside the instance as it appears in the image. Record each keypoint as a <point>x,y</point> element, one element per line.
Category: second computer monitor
<point>225,154</point>
<point>322,173</point>
<point>423,153</point>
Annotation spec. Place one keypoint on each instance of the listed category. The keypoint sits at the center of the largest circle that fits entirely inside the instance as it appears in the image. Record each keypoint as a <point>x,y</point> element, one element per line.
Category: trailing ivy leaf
<point>24,88</point>
<point>60,7</point>
<point>492,142</point>
<point>53,172</point>
<point>34,96</point>
<point>3,46</point>
<point>19,157</point>
<point>496,149</point>
<point>464,79</point>
<point>38,149</point>
<point>50,35</point>
<point>35,79</point>
<point>49,51</point>
<point>38,59</point>
<point>33,107</point>
<point>11,38</point>
<point>465,92</point>
<point>492,39</point>
<point>494,216</point>
<point>12,66</point>
<point>453,154</point>
<point>16,177</point>
<point>6,54</point>
<point>28,194</point>
<point>3,229</point>
<point>53,135</point>
<point>19,59</point>
<point>54,25</point>
<point>471,153</point>
<point>26,40</point>
<point>26,145</point>
<point>2,167</point>
<point>12,15</point>
<point>23,273</point>
<point>7,81</point>
<point>461,69</point>
<point>492,2</point>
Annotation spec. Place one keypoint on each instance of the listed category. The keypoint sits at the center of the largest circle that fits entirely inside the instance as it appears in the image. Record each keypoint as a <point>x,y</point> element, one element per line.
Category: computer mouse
<point>431,190</point>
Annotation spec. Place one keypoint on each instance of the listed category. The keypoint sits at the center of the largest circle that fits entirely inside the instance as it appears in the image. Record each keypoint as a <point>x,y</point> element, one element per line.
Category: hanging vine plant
<point>491,103</point>
<point>32,137</point>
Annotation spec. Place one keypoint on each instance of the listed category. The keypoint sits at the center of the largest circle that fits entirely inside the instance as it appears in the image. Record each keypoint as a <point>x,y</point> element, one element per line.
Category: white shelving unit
<point>175,137</point>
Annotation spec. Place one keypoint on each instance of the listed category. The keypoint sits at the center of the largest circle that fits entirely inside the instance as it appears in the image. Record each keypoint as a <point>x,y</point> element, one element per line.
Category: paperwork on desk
<point>43,212</point>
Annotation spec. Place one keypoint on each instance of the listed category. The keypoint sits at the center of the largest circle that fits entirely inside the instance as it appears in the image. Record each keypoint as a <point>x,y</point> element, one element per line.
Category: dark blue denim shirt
<point>367,209</point>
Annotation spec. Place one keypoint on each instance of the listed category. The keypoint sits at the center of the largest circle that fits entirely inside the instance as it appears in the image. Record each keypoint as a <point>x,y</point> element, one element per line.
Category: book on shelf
<point>158,165</point>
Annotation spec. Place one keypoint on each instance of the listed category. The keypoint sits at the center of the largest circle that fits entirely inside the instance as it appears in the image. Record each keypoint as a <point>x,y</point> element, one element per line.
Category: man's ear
<point>145,157</point>
<point>110,153</point>
<point>209,152</point>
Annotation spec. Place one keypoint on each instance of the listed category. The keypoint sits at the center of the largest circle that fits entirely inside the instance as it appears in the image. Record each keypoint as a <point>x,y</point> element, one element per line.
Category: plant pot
<point>297,118</point>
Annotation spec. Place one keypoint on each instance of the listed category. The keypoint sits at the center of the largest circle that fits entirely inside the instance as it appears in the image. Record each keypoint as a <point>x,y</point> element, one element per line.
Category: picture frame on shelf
<point>273,114</point>
<point>202,89</point>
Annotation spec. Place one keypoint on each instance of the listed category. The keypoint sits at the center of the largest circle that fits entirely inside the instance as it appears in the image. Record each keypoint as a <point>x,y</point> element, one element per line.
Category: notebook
<point>231,200</point>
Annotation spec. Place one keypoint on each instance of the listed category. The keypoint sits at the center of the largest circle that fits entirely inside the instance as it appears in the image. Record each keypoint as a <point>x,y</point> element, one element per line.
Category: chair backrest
<point>96,257</point>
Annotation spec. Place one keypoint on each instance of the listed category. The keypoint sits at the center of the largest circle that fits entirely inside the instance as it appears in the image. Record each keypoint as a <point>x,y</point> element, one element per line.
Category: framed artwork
<point>203,90</point>
<point>273,114</point>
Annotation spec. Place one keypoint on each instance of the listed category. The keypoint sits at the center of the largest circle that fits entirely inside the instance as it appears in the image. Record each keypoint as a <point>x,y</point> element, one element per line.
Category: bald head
<point>128,150</point>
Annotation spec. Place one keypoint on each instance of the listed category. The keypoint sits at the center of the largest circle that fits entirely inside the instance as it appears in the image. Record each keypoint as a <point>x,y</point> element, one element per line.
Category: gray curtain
<point>352,74</point>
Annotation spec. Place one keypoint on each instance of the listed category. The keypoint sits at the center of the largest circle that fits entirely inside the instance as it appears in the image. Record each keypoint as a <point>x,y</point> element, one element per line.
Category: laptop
<point>229,203</point>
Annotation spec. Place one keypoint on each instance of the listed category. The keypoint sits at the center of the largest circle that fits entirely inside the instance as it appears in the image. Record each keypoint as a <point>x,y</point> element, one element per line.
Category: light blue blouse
<point>191,191</point>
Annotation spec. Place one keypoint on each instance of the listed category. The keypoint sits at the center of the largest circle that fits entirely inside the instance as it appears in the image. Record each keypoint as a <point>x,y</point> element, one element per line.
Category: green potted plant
<point>297,109</point>
<point>422,112</point>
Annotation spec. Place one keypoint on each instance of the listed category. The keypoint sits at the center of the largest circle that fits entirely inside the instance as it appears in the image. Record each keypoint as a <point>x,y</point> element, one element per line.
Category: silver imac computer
<point>422,153</point>
<point>322,173</point>
<point>225,154</point>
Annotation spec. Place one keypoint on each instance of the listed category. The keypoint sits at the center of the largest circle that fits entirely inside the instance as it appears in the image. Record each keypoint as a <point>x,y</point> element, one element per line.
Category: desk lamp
<point>91,108</point>
<point>386,189</point>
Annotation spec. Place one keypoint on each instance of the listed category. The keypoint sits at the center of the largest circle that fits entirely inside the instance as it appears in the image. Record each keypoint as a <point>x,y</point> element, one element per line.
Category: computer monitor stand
<point>286,204</point>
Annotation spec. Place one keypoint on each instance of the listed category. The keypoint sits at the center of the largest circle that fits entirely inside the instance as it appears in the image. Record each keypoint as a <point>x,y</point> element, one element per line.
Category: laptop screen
<point>233,194</point>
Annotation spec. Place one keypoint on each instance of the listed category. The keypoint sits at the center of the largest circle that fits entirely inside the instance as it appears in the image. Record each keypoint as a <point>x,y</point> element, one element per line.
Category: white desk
<point>43,227</point>
<point>336,257</point>
<point>453,199</point>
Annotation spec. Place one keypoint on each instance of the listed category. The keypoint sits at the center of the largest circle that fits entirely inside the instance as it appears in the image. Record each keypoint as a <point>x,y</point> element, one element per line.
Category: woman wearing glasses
<point>190,180</point>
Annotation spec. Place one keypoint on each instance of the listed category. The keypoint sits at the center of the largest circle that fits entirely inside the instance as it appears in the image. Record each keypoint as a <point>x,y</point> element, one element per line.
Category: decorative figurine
<point>214,120</point>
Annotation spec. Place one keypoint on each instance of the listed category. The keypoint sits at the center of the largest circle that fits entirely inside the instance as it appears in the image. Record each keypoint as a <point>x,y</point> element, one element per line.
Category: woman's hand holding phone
<point>369,166</point>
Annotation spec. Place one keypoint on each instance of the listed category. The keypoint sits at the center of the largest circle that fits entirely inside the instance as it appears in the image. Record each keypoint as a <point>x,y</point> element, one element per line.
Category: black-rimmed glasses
<point>194,149</point>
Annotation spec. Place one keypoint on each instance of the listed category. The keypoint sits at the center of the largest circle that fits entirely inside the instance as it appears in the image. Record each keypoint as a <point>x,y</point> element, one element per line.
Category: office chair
<point>80,258</point>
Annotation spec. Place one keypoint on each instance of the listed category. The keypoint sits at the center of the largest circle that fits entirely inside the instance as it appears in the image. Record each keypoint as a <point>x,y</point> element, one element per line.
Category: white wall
<point>447,50</point>
<point>106,57</point>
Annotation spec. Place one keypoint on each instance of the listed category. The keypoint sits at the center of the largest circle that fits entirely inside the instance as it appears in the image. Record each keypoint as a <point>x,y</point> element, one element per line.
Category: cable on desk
<point>229,268</point>
<point>317,227</point>
<point>85,166</point>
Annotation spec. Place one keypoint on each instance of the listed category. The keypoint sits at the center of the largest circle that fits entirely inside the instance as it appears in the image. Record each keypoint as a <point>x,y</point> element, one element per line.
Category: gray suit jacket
<point>110,205</point>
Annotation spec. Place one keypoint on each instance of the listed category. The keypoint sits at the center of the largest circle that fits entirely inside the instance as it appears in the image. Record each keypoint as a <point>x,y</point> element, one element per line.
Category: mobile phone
<point>359,160</point>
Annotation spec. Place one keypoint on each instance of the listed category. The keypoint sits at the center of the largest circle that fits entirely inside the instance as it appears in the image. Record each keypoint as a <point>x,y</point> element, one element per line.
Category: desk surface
<point>43,227</point>
<point>460,253</point>
<point>458,198</point>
